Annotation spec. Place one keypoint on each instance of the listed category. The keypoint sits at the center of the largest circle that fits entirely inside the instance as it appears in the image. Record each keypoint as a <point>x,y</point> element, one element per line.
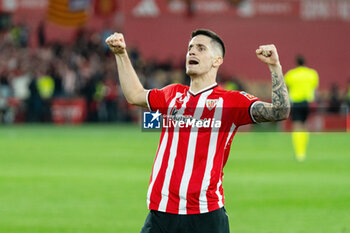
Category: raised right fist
<point>116,43</point>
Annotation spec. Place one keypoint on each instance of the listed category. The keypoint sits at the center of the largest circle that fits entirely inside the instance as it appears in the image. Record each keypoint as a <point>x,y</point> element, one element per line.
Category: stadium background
<point>59,46</point>
<point>71,176</point>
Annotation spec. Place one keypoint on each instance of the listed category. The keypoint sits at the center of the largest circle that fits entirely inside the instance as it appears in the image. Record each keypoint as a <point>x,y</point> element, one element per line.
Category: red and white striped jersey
<point>188,169</point>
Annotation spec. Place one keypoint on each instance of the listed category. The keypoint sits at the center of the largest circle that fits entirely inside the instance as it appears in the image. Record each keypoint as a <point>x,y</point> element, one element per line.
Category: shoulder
<point>307,69</point>
<point>170,90</point>
<point>291,72</point>
<point>238,98</point>
<point>246,97</point>
<point>175,87</point>
<point>226,93</point>
<point>232,94</point>
<point>313,71</point>
<point>241,95</point>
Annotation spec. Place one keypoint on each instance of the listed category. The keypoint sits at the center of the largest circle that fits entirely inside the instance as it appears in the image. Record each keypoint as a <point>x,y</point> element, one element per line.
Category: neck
<point>199,83</point>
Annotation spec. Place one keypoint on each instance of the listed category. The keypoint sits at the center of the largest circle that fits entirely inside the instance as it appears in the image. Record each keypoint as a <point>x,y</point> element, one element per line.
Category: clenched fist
<point>116,43</point>
<point>268,54</point>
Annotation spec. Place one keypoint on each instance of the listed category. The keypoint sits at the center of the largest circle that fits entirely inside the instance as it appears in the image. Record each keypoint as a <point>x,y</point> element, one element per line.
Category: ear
<point>217,62</point>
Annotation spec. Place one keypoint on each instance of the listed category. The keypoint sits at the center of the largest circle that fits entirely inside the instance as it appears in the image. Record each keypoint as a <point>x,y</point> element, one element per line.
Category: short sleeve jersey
<point>188,169</point>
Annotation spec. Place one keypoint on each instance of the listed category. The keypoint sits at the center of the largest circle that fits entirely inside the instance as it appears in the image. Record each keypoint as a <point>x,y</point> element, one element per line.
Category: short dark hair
<point>300,60</point>
<point>212,35</point>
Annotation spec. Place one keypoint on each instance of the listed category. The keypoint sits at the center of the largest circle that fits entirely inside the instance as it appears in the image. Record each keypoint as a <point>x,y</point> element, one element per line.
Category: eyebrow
<point>198,45</point>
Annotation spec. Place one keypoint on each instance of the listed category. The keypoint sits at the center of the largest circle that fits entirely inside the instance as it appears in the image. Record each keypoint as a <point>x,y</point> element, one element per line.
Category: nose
<point>191,51</point>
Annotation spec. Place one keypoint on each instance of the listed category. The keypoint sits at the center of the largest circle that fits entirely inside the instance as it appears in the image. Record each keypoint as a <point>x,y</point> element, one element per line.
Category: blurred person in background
<point>46,87</point>
<point>54,73</point>
<point>302,83</point>
<point>92,95</point>
<point>335,101</point>
<point>41,37</point>
<point>107,93</point>
<point>5,93</point>
<point>20,81</point>
<point>20,35</point>
<point>347,97</point>
<point>185,192</point>
<point>20,85</point>
<point>69,80</point>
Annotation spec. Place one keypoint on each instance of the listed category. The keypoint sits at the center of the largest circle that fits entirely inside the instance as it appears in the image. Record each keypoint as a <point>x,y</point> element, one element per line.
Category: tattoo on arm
<point>280,107</point>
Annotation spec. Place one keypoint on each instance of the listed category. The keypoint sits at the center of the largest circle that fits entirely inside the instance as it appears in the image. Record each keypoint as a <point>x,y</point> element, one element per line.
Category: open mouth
<point>193,62</point>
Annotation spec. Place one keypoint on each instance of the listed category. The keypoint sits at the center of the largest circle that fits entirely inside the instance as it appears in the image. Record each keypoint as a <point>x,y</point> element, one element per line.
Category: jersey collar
<point>203,90</point>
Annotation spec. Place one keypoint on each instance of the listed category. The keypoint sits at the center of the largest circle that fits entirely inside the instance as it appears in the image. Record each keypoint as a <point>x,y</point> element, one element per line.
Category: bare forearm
<point>132,88</point>
<point>129,82</point>
<point>280,107</point>
<point>280,98</point>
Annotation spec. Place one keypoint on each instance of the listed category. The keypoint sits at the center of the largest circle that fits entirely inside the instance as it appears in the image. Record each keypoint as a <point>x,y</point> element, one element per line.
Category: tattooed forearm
<point>280,107</point>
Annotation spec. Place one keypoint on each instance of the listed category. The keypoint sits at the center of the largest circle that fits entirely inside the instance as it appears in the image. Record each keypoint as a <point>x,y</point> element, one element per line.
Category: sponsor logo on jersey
<point>248,96</point>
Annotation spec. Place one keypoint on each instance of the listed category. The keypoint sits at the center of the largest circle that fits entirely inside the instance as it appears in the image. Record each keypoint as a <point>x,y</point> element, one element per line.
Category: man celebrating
<point>185,193</point>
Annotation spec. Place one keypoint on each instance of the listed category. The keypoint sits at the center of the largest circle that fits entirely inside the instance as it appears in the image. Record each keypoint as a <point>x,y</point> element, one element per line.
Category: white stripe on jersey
<point>192,142</point>
<point>233,127</point>
<point>173,151</point>
<point>159,158</point>
<point>221,204</point>
<point>203,204</point>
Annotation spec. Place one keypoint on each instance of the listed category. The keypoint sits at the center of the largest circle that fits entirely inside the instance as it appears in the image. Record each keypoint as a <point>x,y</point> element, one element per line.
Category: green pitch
<point>93,179</point>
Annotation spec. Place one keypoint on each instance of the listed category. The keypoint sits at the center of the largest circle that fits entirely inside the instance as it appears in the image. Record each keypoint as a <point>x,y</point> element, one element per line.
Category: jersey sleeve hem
<point>147,100</point>
<point>251,112</point>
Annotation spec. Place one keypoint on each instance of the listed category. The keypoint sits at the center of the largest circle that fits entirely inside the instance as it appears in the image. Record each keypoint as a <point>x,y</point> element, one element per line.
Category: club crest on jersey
<point>248,96</point>
<point>211,103</point>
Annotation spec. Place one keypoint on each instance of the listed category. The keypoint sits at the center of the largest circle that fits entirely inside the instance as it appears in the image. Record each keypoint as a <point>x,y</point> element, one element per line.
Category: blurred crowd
<point>31,79</point>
